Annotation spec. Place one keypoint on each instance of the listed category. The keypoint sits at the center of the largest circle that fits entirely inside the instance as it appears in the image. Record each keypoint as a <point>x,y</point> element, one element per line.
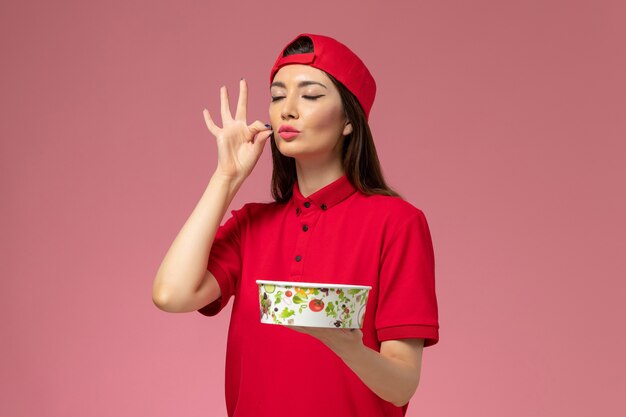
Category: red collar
<point>324,198</point>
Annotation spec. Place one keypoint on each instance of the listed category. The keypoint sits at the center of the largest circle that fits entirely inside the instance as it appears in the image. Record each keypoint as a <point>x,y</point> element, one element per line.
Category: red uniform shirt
<point>336,235</point>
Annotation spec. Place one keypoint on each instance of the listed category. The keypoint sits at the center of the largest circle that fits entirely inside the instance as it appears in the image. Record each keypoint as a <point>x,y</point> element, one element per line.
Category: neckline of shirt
<point>324,198</point>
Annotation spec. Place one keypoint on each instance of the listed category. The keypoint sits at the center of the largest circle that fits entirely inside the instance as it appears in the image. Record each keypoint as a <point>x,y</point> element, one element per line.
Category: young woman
<point>333,220</point>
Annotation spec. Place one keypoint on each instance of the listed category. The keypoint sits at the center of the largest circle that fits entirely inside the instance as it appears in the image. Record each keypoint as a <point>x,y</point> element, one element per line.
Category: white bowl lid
<point>312,284</point>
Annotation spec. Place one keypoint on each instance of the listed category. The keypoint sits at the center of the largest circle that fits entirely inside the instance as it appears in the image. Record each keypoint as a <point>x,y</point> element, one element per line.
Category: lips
<point>287,128</point>
<point>287,132</point>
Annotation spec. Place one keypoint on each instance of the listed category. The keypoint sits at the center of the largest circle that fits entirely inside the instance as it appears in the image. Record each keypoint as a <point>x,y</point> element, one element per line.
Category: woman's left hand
<point>393,373</point>
<point>340,341</point>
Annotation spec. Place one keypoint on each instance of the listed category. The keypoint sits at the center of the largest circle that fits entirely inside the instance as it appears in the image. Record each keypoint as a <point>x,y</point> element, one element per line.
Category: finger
<point>209,123</point>
<point>226,116</point>
<point>262,137</point>
<point>357,333</point>
<point>296,328</point>
<point>242,103</point>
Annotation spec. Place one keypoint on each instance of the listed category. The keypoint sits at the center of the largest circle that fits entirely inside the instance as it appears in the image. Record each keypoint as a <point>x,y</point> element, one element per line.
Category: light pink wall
<point>503,120</point>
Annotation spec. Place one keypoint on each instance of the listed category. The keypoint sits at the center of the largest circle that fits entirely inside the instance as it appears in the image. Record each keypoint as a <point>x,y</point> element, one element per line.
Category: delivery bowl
<point>312,304</point>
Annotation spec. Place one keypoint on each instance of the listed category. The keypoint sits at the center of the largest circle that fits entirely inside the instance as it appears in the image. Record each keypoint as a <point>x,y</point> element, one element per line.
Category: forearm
<point>184,266</point>
<point>390,378</point>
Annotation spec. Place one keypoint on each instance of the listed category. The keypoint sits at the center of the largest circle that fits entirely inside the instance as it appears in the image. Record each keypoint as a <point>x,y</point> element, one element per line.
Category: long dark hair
<point>360,160</point>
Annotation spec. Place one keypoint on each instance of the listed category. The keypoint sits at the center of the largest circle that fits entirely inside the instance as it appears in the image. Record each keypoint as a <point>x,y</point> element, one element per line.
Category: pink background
<point>503,120</point>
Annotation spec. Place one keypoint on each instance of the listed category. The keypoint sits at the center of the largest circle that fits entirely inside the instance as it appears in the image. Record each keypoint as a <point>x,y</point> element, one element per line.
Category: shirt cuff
<point>216,306</point>
<point>429,333</point>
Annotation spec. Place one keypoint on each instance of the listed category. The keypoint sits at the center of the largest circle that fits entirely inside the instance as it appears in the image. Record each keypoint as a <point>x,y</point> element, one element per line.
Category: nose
<point>289,108</point>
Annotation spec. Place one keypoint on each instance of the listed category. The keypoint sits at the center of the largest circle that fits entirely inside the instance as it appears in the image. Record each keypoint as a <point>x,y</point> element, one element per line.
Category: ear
<point>347,129</point>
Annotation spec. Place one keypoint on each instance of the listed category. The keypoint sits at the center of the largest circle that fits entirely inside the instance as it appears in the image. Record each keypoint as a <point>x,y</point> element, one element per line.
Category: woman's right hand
<point>239,145</point>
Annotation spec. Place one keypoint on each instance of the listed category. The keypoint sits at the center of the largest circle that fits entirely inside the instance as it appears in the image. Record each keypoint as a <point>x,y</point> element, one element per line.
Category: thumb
<point>257,126</point>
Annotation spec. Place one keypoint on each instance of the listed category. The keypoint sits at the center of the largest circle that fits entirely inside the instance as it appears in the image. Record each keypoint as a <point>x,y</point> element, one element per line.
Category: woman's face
<point>305,99</point>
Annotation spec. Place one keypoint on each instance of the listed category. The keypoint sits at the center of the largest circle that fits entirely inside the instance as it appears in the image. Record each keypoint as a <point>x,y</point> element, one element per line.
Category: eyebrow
<point>300,84</point>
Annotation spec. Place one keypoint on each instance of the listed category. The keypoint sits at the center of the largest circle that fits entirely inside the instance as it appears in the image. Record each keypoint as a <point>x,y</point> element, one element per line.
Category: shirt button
<point>298,258</point>
<point>305,228</point>
<point>307,204</point>
<point>324,207</point>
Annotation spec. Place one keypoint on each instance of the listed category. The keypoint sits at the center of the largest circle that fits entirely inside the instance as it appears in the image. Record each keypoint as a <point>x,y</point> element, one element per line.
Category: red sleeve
<point>225,263</point>
<point>407,302</point>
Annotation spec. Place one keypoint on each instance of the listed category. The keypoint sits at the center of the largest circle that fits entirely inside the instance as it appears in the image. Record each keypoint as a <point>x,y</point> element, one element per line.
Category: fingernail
<point>242,78</point>
<point>268,126</point>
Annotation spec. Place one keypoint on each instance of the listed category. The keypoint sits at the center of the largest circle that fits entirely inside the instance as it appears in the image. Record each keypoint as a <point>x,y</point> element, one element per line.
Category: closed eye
<point>276,98</point>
